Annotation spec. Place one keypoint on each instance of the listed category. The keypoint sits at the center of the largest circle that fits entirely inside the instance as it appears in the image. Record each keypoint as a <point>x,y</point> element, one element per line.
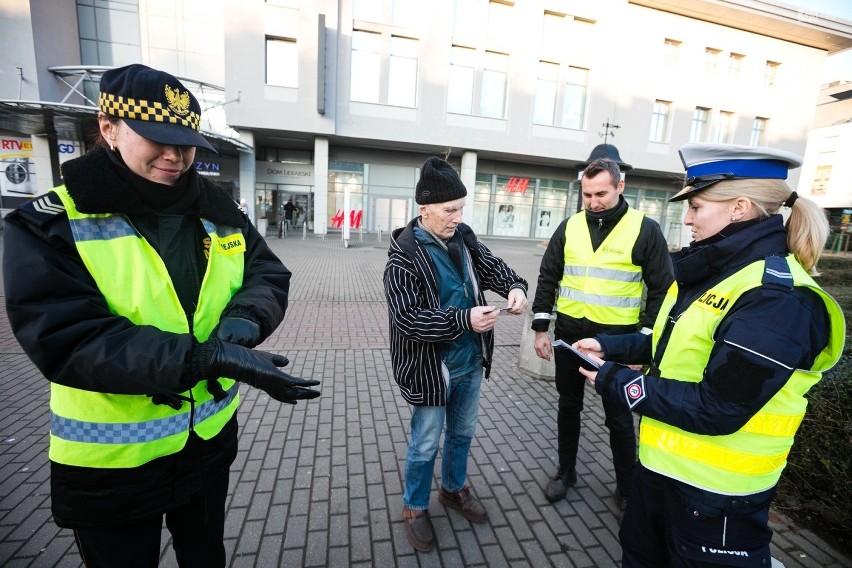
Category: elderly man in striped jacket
<point>442,339</point>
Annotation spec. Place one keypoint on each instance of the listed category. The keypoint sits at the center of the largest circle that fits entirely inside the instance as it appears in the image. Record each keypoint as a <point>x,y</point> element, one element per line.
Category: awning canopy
<point>79,121</point>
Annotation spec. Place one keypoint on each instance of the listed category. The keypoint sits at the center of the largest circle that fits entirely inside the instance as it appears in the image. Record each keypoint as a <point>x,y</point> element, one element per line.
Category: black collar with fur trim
<point>96,187</point>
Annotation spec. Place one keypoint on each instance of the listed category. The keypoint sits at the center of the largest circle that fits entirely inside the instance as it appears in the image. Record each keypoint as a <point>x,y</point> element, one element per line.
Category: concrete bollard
<point>528,362</point>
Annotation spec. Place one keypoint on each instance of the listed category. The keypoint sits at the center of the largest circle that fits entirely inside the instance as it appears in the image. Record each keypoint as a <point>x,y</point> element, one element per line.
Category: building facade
<point>335,103</point>
<point>827,169</point>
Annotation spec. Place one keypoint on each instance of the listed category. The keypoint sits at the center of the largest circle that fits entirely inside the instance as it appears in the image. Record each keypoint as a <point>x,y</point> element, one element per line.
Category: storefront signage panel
<point>276,172</point>
<point>17,166</point>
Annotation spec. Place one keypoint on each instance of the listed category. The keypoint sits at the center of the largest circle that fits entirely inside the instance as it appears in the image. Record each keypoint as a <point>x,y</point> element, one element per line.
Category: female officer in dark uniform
<point>138,289</point>
<point>742,335</point>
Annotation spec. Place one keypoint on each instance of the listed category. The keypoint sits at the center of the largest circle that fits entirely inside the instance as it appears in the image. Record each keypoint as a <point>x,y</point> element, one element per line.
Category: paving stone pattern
<point>320,483</point>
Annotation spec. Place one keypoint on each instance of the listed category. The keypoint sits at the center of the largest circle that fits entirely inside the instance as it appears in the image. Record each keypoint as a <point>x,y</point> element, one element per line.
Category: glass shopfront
<point>556,200</point>
<point>343,178</point>
<point>518,206</point>
<point>381,198</point>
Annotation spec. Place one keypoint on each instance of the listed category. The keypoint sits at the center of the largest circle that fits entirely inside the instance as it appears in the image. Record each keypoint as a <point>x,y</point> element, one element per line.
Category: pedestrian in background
<point>441,334</point>
<point>139,289</point>
<point>743,333</point>
<point>285,219</point>
<point>593,271</point>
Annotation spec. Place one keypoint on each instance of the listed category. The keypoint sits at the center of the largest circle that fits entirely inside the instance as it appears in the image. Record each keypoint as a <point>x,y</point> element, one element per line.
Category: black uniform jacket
<point>769,332</point>
<point>650,252</point>
<point>63,323</point>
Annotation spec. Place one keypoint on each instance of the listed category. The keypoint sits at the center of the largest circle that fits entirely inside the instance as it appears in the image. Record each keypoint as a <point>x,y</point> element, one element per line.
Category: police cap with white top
<point>707,164</point>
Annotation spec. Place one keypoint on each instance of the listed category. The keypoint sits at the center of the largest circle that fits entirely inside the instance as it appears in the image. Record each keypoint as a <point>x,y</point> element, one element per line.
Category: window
<point>770,72</point>
<point>405,12</point>
<point>483,20</point>
<point>821,179</point>
<point>560,98</point>
<point>397,12</point>
<point>544,110</point>
<point>464,68</point>
<point>711,61</point>
<point>758,131</point>
<point>574,110</point>
<point>366,66</point>
<point>282,62</point>
<point>467,11</point>
<point>700,124</point>
<point>660,121</point>
<point>725,134</point>
<point>402,73</point>
<point>373,80</point>
<point>500,24</point>
<point>735,65</point>
<point>460,87</point>
<point>110,33</point>
<point>369,10</point>
<point>495,75</point>
<point>553,34</point>
<point>671,51</point>
<point>479,64</point>
<point>573,96</point>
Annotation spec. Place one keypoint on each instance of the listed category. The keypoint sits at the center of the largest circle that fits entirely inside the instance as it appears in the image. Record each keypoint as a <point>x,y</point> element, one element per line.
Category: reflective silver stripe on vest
<point>604,273</point>
<point>101,228</point>
<point>134,432</point>
<point>599,299</point>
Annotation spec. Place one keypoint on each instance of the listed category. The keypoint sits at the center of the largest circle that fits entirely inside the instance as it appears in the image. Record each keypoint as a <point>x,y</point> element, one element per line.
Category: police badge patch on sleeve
<point>634,391</point>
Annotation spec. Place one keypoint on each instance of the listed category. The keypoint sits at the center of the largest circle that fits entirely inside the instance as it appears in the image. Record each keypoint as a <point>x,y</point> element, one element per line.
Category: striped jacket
<point>418,325</point>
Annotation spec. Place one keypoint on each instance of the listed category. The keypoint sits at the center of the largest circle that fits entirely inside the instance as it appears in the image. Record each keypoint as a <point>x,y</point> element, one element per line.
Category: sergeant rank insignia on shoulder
<point>42,209</point>
<point>48,204</point>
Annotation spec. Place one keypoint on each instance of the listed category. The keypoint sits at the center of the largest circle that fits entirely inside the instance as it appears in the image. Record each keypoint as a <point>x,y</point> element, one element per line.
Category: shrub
<point>816,486</point>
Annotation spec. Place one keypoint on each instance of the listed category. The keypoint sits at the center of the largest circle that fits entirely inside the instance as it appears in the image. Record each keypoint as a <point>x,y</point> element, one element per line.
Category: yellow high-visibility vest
<point>751,459</point>
<point>93,429</point>
<point>601,285</point>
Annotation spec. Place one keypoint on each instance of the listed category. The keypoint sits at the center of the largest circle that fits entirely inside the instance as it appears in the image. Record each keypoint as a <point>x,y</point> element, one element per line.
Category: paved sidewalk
<point>320,483</point>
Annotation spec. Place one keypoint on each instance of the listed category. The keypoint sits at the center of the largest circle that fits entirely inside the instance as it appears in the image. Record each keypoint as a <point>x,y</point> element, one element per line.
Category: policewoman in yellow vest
<point>743,334</point>
<point>139,289</point>
<point>593,271</point>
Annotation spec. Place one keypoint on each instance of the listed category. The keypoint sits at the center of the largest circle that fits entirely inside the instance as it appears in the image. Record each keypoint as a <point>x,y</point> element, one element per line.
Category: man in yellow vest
<point>593,271</point>
<point>742,335</point>
<point>139,289</point>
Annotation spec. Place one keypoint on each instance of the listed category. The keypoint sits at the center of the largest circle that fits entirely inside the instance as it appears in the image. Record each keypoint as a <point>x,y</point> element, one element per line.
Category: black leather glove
<point>258,369</point>
<point>241,331</point>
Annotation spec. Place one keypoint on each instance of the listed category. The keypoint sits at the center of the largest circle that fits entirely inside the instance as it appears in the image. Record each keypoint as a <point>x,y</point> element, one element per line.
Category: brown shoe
<point>465,503</point>
<point>418,528</point>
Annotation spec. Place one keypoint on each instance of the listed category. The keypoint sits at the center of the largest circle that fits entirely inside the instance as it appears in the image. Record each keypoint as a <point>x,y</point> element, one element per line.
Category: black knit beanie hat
<point>438,183</point>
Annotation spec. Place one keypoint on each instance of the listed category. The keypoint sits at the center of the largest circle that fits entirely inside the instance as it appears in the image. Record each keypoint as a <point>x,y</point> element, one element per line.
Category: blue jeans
<point>426,425</point>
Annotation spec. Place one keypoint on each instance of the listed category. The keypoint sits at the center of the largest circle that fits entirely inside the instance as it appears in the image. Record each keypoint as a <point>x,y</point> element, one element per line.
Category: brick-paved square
<point>320,483</point>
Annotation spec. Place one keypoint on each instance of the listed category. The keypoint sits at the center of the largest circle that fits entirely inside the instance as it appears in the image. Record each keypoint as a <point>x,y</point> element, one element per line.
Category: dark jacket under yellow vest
<point>751,459</point>
<point>101,430</point>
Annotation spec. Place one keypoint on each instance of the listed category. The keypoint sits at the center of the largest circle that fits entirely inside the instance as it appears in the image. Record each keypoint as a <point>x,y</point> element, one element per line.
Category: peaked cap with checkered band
<point>154,104</point>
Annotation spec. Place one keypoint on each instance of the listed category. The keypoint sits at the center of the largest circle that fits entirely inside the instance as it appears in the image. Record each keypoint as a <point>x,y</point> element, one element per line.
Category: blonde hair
<point>807,226</point>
